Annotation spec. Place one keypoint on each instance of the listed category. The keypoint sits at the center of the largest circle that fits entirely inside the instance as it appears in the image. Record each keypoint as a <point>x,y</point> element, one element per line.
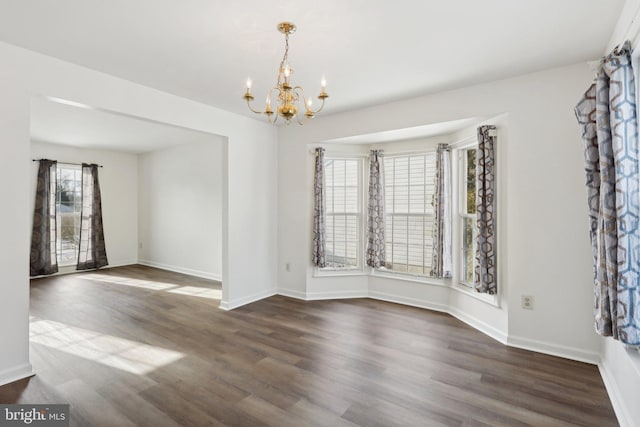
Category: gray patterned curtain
<point>485,274</point>
<point>441,262</point>
<point>607,116</point>
<point>375,218</point>
<point>43,259</point>
<point>92,253</point>
<point>318,250</point>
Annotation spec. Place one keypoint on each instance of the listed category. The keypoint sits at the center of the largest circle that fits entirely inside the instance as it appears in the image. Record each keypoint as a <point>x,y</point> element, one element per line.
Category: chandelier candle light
<point>288,96</point>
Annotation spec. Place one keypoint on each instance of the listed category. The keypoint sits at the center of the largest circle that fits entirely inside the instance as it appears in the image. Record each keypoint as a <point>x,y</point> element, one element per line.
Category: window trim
<point>492,300</point>
<point>457,174</point>
<point>360,269</point>
<point>401,275</point>
<point>408,277</point>
<point>462,213</point>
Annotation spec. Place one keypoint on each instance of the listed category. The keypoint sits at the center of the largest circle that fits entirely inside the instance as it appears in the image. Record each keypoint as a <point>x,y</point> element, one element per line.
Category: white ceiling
<point>434,129</point>
<point>81,126</point>
<point>370,51</point>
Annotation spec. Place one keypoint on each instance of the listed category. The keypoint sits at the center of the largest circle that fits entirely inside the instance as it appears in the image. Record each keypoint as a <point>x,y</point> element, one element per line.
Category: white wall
<point>249,188</point>
<point>180,208</point>
<point>541,202</point>
<point>118,178</point>
<point>620,369</point>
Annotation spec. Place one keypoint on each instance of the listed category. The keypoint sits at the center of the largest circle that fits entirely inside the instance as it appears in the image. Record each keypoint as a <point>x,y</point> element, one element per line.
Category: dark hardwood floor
<point>139,346</point>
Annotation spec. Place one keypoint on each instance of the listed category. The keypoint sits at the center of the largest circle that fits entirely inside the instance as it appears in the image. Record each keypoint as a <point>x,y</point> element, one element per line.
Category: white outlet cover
<point>527,302</point>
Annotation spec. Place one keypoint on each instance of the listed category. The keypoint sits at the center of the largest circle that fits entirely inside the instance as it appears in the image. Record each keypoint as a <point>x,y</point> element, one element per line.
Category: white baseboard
<point>616,397</point>
<point>414,302</point>
<point>14,374</point>
<point>444,308</point>
<point>310,296</point>
<point>478,324</point>
<point>554,349</point>
<point>292,293</point>
<point>230,305</point>
<point>176,269</point>
<point>121,263</point>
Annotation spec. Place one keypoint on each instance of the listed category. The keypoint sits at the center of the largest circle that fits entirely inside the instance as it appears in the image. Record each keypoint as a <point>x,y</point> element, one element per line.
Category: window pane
<point>351,173</point>
<point>338,172</point>
<point>416,199</point>
<point>389,194</point>
<point>351,199</point>
<point>328,199</point>
<point>401,201</point>
<point>468,248</point>
<point>328,172</point>
<point>68,209</point>
<point>338,199</point>
<point>342,189</point>
<point>417,170</point>
<point>409,183</point>
<point>471,181</point>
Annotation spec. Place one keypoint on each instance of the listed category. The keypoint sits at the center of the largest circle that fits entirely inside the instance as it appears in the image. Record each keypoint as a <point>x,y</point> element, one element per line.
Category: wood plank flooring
<point>137,346</point>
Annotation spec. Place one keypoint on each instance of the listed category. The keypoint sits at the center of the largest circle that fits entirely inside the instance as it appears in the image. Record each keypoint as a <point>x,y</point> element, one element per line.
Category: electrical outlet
<point>287,267</point>
<point>527,302</point>
<point>140,245</point>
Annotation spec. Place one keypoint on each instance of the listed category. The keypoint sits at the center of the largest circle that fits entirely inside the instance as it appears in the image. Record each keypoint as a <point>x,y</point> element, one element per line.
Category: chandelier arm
<point>321,107</point>
<point>269,119</point>
<point>299,91</point>
<point>275,116</point>
<point>251,108</point>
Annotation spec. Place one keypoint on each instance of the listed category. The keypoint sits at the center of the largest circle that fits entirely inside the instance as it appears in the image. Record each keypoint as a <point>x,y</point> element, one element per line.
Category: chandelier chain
<point>284,58</point>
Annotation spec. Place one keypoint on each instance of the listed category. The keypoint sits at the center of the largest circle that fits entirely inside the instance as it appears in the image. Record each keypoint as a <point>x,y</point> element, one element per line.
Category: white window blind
<point>343,213</point>
<point>409,188</point>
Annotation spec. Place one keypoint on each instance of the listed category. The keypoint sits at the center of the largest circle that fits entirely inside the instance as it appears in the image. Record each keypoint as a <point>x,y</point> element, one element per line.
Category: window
<point>409,188</point>
<point>343,186</point>
<point>68,210</point>
<point>467,214</point>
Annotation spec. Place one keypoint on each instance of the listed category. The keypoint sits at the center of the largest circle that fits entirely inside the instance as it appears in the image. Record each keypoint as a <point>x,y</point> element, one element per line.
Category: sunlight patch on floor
<point>131,356</point>
<point>195,291</point>
<point>198,292</point>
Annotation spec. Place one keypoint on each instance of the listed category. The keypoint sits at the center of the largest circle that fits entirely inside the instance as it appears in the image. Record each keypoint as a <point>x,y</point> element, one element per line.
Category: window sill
<point>486,298</point>
<point>317,272</point>
<point>408,277</point>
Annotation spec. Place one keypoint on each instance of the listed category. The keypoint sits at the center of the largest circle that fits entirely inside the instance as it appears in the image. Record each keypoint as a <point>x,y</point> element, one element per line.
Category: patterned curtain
<point>43,259</point>
<point>375,218</point>
<point>607,116</point>
<point>92,253</point>
<point>441,261</point>
<point>485,274</point>
<point>318,257</point>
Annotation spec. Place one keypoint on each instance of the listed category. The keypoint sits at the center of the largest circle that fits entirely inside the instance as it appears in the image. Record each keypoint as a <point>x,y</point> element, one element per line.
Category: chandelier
<point>287,96</point>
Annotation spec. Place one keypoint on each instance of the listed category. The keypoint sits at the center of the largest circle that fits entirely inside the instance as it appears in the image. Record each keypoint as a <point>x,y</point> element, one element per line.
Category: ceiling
<point>60,122</point>
<point>425,131</point>
<point>371,52</point>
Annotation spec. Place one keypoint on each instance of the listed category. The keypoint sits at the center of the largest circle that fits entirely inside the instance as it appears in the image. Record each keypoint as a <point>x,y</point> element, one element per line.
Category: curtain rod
<point>64,163</point>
